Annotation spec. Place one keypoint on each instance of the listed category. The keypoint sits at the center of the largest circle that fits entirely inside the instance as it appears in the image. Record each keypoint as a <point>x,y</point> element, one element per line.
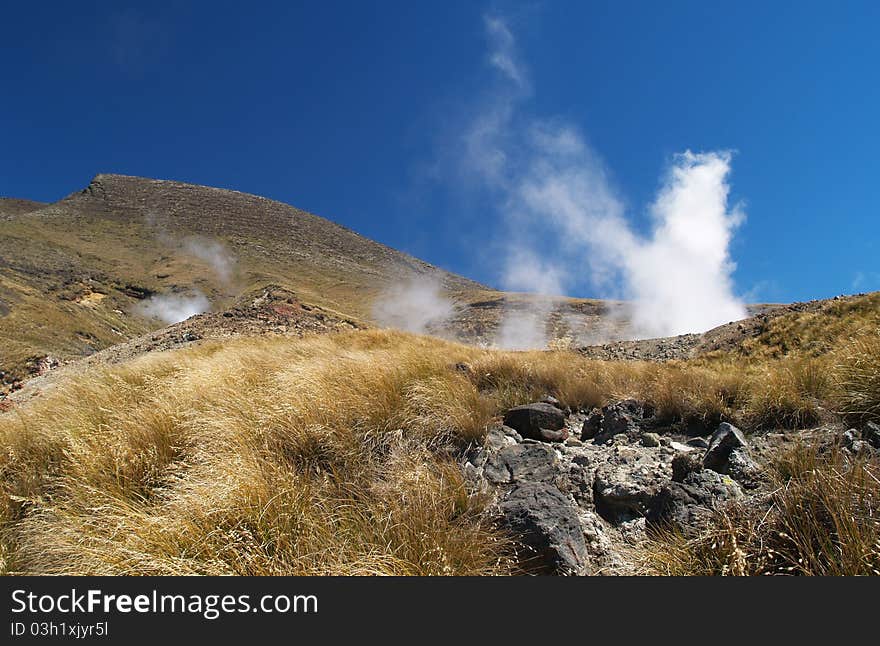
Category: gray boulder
<point>624,487</point>
<point>509,432</point>
<point>553,436</point>
<point>578,480</point>
<point>529,420</point>
<point>698,443</point>
<point>651,440</point>
<point>546,525</point>
<point>531,462</point>
<point>860,442</point>
<point>614,419</point>
<point>851,436</point>
<point>687,505</point>
<point>862,448</point>
<point>742,468</point>
<point>549,399</point>
<point>592,426</point>
<point>496,439</point>
<point>684,464</point>
<point>696,427</point>
<point>622,417</point>
<point>871,434</point>
<point>723,442</point>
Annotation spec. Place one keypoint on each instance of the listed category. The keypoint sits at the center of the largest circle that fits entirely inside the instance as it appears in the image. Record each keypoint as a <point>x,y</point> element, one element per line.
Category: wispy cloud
<point>865,281</point>
<point>563,221</point>
<point>502,52</point>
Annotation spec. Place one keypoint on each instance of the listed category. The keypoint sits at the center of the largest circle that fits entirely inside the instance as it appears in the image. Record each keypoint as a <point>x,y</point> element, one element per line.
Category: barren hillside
<point>72,273</point>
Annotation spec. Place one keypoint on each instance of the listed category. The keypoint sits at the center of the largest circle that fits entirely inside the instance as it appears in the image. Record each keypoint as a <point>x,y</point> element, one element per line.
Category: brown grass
<point>817,332</point>
<point>823,518</point>
<point>258,457</point>
<point>327,455</point>
<point>857,374</point>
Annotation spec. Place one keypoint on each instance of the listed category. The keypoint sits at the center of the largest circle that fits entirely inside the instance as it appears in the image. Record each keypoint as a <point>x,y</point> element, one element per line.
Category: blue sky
<point>355,111</point>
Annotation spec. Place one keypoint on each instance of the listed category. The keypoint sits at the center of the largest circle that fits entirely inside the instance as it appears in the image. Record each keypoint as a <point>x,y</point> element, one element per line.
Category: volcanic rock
<point>724,440</point>
<point>547,526</point>
<point>529,420</point>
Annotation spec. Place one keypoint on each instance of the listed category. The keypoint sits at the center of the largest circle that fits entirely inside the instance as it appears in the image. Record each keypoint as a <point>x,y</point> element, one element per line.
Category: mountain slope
<point>75,275</point>
<point>73,272</point>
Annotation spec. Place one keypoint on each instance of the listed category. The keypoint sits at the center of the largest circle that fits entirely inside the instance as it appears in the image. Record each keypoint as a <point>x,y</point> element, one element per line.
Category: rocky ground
<point>581,489</point>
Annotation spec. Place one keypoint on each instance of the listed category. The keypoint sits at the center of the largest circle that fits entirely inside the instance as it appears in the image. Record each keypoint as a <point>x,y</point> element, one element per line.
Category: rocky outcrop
<point>685,464</point>
<point>726,439</point>
<point>624,487</point>
<point>519,463</point>
<point>628,416</point>
<point>686,504</point>
<point>577,507</point>
<point>865,442</point>
<point>871,434</point>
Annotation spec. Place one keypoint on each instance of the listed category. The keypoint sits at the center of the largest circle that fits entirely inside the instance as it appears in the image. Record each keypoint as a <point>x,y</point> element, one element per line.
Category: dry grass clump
<point>823,518</point>
<point>781,393</point>
<point>787,393</point>
<point>326,456</point>
<point>688,392</point>
<point>519,377</point>
<point>857,375</point>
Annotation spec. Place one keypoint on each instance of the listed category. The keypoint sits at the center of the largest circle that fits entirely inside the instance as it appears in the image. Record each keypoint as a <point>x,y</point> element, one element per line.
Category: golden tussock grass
<point>858,379</point>
<point>327,455</point>
<point>817,332</point>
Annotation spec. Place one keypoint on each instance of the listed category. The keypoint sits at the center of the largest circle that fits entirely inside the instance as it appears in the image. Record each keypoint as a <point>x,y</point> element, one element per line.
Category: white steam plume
<point>565,221</point>
<point>213,253</point>
<point>502,52</point>
<point>210,251</point>
<point>173,308</point>
<point>524,324</point>
<point>680,279</point>
<point>416,305</point>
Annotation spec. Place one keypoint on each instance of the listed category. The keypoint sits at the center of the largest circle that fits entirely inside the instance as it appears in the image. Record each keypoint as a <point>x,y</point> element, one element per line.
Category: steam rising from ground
<point>680,279</point>
<point>566,223</point>
<point>213,253</point>
<point>416,305</point>
<point>524,327</point>
<point>173,308</point>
